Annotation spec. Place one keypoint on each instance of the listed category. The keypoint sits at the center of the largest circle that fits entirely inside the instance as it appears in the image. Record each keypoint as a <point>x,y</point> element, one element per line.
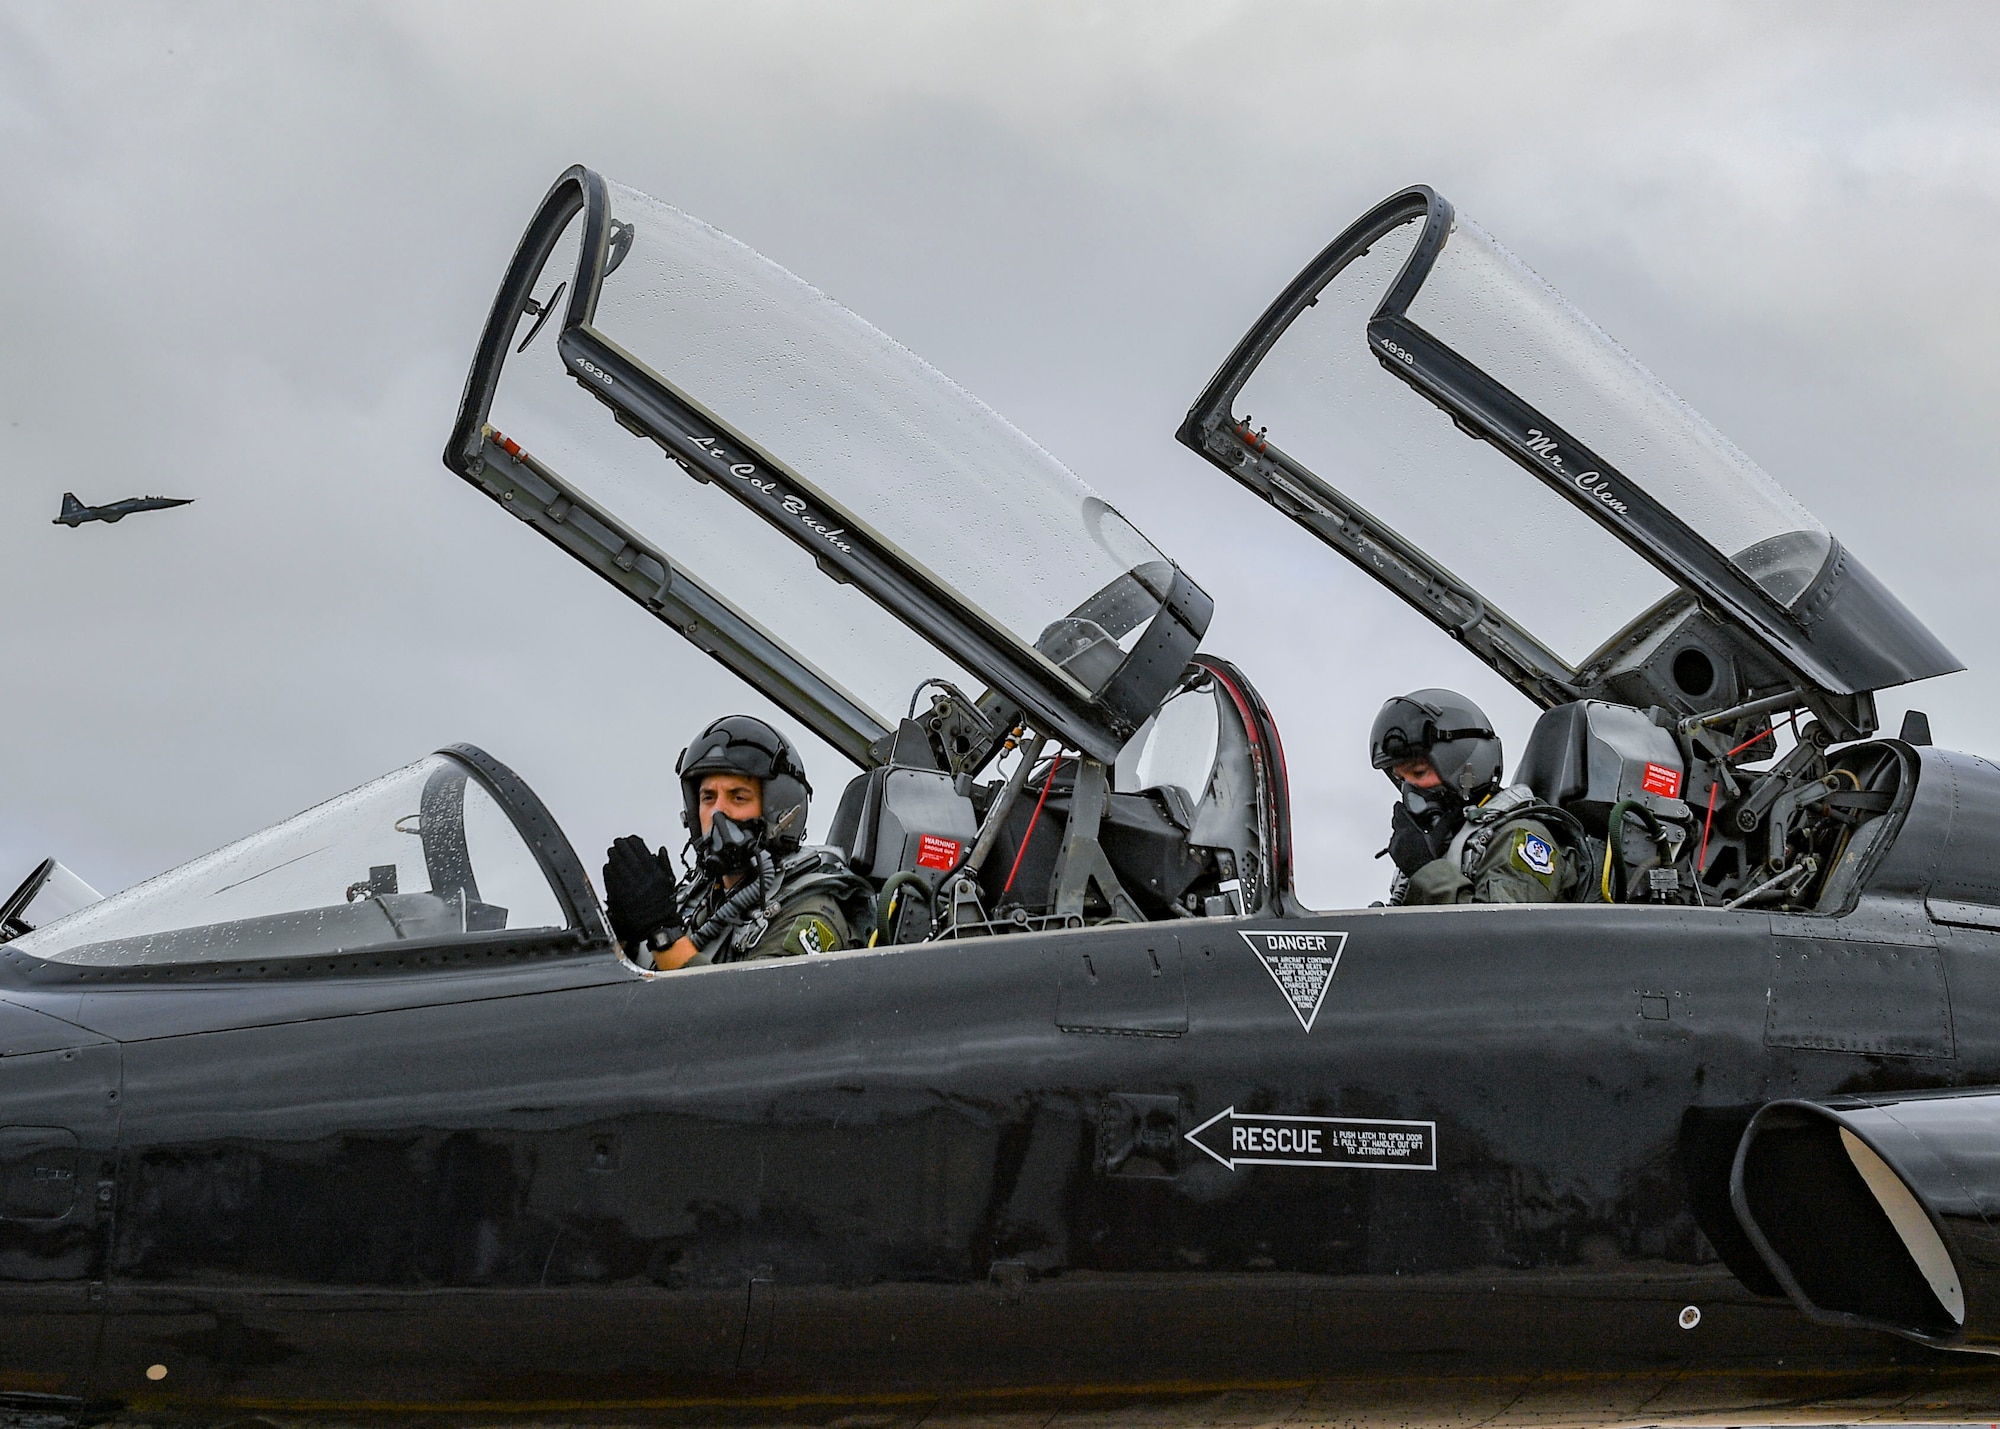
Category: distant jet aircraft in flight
<point>75,513</point>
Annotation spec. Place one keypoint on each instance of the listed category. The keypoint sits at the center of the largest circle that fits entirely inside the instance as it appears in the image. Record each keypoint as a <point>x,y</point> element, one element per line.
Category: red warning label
<point>1662,781</point>
<point>934,852</point>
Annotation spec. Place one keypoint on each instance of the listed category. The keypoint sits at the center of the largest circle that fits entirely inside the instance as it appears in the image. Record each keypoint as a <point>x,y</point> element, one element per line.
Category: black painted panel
<point>1887,999</point>
<point>23,1031</point>
<point>1129,983</point>
<point>58,1123</point>
<point>38,1166</point>
<point>1966,888</point>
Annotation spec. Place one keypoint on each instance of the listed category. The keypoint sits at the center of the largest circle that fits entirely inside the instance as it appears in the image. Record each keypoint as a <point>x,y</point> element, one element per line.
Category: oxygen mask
<point>1437,811</point>
<point>1428,805</point>
<point>728,846</point>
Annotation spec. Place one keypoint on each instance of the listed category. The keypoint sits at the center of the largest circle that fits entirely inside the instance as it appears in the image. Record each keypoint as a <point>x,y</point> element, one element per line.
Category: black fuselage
<point>961,1177</point>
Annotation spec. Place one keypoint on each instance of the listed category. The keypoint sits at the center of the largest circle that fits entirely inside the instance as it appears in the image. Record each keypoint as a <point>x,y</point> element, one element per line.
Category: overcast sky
<point>247,249</point>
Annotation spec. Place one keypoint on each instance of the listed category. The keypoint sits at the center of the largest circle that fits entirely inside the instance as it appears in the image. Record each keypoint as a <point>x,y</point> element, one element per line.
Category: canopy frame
<point>1843,638</point>
<point>703,447</point>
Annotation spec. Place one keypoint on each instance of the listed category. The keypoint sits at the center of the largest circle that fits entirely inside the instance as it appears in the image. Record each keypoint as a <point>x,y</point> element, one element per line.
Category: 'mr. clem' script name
<point>1591,483</point>
<point>1295,942</point>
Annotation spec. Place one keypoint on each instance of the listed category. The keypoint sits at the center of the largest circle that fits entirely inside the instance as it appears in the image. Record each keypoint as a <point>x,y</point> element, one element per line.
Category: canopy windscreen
<point>855,645</point>
<point>425,852</point>
<point>1491,308</point>
<point>876,434</point>
<point>1327,402</point>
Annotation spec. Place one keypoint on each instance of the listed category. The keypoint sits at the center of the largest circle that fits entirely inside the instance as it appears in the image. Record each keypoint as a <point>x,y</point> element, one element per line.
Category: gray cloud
<point>248,250</point>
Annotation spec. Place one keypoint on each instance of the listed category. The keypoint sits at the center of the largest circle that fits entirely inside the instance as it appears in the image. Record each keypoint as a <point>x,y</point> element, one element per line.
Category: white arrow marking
<point>1324,1141</point>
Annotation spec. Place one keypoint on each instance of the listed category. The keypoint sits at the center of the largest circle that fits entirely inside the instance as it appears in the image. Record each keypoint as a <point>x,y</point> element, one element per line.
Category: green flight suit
<point>1499,857</point>
<point>814,911</point>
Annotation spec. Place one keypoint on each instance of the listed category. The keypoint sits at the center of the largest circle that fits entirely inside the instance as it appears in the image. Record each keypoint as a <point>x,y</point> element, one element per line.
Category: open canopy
<point>1594,529</point>
<point>832,517</point>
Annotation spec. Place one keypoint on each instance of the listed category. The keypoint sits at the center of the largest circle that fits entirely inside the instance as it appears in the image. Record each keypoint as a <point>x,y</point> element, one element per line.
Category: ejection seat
<point>1589,756</point>
<point>1196,821</point>
<point>1626,778</point>
<point>906,822</point>
<point>1603,763</point>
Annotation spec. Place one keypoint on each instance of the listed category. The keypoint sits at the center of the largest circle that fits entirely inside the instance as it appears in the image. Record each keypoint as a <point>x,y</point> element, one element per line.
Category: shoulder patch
<point>1534,853</point>
<point>811,934</point>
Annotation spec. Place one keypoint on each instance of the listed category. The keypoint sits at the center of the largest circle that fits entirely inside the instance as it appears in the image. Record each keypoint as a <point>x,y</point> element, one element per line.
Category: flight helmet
<point>1448,729</point>
<point>744,744</point>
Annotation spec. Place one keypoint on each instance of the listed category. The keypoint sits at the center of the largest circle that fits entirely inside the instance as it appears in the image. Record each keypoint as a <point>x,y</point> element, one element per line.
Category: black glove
<point>638,891</point>
<point>1409,845</point>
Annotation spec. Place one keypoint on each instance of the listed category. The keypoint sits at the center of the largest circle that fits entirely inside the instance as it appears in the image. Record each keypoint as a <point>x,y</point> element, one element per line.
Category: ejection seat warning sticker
<point>1251,1139</point>
<point>1301,964</point>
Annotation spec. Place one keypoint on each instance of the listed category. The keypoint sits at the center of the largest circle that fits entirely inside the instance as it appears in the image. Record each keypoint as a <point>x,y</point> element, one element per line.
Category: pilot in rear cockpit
<point>1456,835</point>
<point>752,891</point>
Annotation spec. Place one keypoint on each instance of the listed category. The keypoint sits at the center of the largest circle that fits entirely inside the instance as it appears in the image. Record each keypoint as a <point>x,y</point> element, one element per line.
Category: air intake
<point>1880,1213</point>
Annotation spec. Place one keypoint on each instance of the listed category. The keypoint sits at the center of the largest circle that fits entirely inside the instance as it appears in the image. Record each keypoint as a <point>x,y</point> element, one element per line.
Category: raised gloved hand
<point>638,891</point>
<point>1409,846</point>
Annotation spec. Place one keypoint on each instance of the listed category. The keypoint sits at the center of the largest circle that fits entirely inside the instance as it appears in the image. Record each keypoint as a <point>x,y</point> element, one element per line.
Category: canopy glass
<point>847,640</point>
<point>426,852</point>
<point>921,537</point>
<point>883,439</point>
<point>1424,404</point>
<point>1491,308</point>
<point>1330,404</point>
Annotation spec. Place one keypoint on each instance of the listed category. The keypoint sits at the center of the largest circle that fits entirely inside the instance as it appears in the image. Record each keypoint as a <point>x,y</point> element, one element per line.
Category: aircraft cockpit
<point>384,1076</point>
<point>1425,405</point>
<point>1010,663</point>
<point>1012,667</point>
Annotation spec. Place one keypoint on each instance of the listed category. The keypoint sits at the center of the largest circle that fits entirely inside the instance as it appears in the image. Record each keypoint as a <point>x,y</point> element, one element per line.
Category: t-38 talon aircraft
<point>74,513</point>
<point>366,1115</point>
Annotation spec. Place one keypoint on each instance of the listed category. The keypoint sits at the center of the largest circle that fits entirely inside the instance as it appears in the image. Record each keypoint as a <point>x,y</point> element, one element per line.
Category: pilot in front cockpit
<point>1455,834</point>
<point>752,891</point>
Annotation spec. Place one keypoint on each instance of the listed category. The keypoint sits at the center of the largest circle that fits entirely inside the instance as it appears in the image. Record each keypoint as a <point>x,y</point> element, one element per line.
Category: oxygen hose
<point>886,901</point>
<point>753,893</point>
<point>1614,839</point>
